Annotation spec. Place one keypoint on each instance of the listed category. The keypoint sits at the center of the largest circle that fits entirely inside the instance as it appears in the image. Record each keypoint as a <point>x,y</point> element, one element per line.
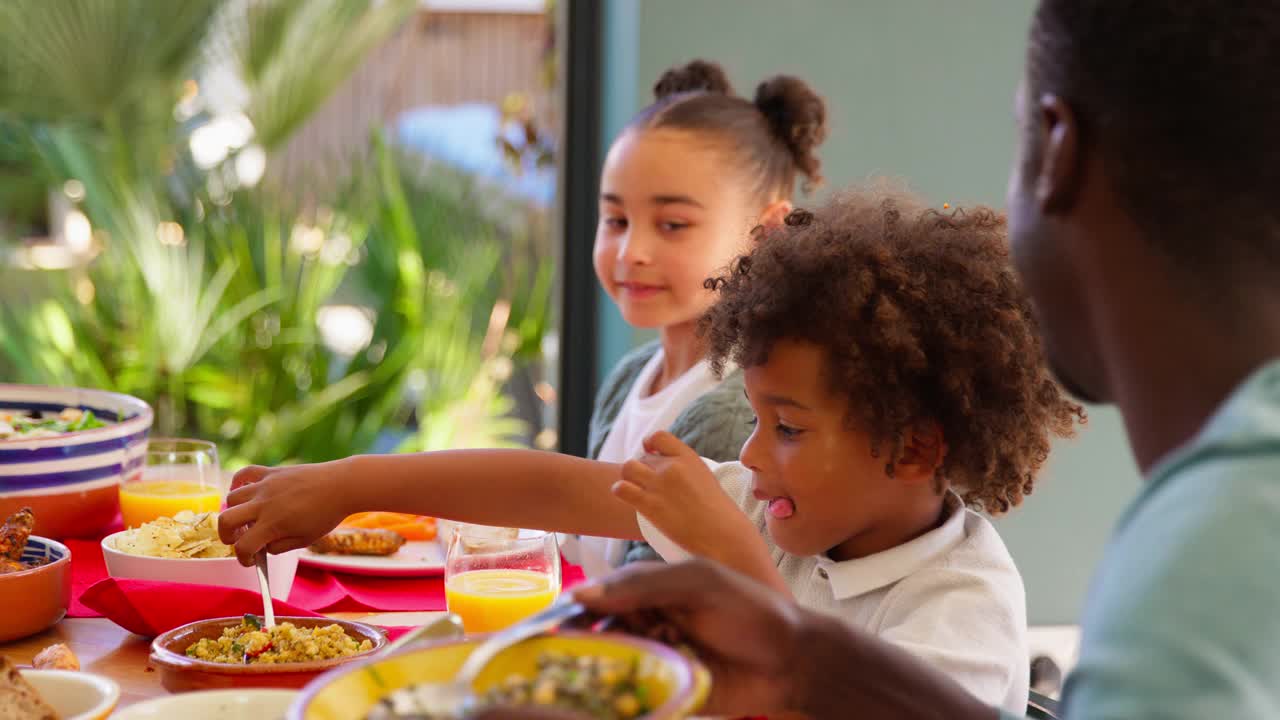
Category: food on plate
<point>250,642</point>
<point>21,424</point>
<point>358,541</point>
<point>18,700</point>
<point>13,538</point>
<point>183,536</point>
<point>597,687</point>
<point>56,657</point>
<point>410,527</point>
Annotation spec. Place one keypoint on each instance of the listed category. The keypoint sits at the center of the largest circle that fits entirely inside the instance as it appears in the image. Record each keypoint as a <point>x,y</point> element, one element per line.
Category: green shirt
<point>1183,616</point>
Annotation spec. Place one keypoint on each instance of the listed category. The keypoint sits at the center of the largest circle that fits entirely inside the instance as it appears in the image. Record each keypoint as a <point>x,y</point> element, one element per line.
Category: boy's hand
<point>676,491</point>
<point>282,509</point>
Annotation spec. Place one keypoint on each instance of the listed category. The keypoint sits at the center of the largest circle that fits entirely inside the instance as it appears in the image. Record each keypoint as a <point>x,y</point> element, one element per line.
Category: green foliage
<point>209,301</point>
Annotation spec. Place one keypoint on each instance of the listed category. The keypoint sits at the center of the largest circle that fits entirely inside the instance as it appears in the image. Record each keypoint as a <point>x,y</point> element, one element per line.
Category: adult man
<point>1144,223</point>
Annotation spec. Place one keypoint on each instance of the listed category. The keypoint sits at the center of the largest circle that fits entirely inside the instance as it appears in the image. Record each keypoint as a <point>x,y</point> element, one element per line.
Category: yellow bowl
<point>677,685</point>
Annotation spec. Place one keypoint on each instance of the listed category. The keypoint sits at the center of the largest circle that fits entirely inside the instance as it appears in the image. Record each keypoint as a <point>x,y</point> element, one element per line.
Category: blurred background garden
<point>301,229</point>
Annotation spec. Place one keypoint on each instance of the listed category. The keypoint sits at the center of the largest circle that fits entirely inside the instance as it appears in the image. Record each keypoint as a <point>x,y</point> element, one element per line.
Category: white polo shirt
<point>952,596</point>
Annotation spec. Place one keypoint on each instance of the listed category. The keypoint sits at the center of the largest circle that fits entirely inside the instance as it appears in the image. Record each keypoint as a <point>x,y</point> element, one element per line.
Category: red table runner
<point>313,589</point>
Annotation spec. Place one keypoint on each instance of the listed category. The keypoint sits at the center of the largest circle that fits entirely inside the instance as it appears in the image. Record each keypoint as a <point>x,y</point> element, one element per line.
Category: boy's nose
<point>749,455</point>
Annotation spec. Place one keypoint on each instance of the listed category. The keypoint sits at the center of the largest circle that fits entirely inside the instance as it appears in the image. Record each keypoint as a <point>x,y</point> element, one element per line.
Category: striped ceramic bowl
<point>72,481</point>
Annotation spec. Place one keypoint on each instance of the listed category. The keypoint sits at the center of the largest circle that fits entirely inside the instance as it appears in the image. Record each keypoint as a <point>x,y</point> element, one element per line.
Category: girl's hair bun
<point>798,116</point>
<point>696,76</point>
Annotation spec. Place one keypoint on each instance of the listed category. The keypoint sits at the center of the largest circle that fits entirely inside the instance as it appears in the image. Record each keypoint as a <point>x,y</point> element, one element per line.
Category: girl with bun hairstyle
<point>682,187</point>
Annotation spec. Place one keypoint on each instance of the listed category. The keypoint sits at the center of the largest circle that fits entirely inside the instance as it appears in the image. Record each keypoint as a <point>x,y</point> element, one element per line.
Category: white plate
<point>75,695</point>
<point>419,558</point>
<point>238,704</point>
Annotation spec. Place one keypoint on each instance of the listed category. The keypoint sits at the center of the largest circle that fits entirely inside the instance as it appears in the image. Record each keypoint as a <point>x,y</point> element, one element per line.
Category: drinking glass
<point>178,474</point>
<point>496,577</point>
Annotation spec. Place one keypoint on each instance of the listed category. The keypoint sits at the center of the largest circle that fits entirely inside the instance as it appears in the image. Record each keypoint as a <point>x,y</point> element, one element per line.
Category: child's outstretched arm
<point>675,490</point>
<point>285,508</point>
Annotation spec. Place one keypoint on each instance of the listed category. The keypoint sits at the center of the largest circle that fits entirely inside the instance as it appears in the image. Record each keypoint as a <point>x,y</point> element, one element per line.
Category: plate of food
<point>241,652</point>
<point>54,687</point>
<point>33,568</point>
<point>383,544</point>
<point>605,676</point>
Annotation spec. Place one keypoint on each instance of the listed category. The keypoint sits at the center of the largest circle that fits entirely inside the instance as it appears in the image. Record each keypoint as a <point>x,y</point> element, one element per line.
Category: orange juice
<point>489,600</point>
<point>147,500</point>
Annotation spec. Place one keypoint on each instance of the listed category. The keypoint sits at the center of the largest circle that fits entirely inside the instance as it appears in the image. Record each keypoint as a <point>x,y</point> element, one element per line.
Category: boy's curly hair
<point>922,319</point>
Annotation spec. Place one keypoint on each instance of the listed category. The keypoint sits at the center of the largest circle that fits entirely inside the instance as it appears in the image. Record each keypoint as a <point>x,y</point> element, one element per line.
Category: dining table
<point>101,626</point>
<point>106,649</point>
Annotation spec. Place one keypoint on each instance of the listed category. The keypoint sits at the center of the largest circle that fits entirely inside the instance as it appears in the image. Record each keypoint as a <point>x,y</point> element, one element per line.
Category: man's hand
<point>769,656</point>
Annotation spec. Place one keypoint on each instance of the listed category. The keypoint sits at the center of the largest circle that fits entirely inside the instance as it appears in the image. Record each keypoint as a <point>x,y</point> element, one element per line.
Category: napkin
<point>150,608</point>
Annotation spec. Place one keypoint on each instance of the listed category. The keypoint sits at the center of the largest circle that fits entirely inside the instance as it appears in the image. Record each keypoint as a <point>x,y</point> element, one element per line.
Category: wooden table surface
<point>107,649</point>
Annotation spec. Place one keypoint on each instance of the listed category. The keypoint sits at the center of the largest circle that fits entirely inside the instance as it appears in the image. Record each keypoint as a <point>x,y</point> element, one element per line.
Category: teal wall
<point>919,90</point>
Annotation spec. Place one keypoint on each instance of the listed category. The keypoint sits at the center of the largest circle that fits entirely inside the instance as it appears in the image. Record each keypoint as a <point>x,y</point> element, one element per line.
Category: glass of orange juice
<point>495,577</point>
<point>178,475</point>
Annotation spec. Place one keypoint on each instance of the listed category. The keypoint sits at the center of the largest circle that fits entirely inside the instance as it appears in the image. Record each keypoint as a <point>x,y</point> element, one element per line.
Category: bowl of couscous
<point>239,652</point>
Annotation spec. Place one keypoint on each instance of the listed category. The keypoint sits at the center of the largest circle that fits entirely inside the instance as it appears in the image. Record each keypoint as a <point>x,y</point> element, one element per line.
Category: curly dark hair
<point>922,319</point>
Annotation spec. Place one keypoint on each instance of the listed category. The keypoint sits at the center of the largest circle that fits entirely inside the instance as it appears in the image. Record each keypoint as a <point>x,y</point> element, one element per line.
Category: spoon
<point>448,626</point>
<point>447,699</point>
<point>264,585</point>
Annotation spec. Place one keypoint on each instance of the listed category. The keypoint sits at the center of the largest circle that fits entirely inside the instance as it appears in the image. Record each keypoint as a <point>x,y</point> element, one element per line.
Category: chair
<point>1042,707</point>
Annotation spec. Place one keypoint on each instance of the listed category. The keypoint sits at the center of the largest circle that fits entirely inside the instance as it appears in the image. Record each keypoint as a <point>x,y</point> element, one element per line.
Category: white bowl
<point>223,572</point>
<point>247,704</point>
<point>75,695</point>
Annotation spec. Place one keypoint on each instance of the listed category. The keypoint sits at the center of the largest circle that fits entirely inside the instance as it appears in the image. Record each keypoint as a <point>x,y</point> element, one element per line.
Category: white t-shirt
<point>640,416</point>
<point>952,597</point>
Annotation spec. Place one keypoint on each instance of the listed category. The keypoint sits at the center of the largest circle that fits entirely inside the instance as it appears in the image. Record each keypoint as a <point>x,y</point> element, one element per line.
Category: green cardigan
<point>716,425</point>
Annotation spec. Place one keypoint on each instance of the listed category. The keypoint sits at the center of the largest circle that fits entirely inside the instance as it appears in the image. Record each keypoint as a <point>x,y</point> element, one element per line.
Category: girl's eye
<point>672,226</point>
<point>615,223</point>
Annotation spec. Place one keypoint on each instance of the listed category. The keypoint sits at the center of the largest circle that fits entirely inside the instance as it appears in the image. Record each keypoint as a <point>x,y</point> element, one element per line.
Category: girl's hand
<point>285,508</point>
<point>676,491</point>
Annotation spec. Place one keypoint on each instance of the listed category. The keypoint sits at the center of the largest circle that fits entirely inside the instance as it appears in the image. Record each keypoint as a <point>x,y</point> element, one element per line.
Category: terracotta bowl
<point>71,482</point>
<point>43,594</point>
<point>179,673</point>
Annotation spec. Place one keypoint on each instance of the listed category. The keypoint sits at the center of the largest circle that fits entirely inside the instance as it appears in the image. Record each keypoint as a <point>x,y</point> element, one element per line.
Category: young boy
<point>894,370</point>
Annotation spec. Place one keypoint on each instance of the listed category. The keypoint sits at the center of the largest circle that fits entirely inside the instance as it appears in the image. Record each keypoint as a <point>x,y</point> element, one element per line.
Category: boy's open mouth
<point>779,506</point>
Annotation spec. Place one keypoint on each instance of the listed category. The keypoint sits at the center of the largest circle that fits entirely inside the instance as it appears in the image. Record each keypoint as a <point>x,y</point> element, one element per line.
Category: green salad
<point>15,424</point>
